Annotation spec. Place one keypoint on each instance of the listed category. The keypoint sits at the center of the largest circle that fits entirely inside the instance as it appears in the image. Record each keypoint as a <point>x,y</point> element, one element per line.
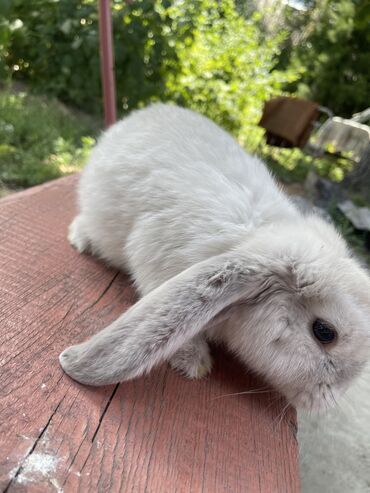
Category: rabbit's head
<point>297,308</point>
<point>307,330</point>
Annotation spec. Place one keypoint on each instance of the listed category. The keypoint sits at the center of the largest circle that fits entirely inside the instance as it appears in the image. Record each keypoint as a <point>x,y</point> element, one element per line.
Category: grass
<point>39,140</point>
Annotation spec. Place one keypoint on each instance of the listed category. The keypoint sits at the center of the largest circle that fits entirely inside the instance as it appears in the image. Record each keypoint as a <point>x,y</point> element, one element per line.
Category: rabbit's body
<point>216,250</point>
<point>165,189</point>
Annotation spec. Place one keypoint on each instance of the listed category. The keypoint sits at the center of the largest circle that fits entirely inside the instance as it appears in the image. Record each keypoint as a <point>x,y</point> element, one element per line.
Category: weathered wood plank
<point>161,433</point>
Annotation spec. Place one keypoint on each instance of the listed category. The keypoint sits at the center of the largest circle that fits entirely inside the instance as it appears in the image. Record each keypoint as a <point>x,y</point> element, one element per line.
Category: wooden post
<point>107,62</point>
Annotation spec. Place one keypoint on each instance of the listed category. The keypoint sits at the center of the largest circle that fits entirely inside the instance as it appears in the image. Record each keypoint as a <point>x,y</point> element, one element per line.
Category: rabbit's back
<point>166,188</point>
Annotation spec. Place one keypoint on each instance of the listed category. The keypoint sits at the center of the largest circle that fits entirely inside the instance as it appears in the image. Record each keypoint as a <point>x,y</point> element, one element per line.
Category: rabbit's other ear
<point>161,322</point>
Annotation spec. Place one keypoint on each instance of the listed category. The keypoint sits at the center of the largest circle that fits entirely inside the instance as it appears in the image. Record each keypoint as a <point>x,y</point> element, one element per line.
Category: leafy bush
<point>333,54</point>
<point>54,45</point>
<point>226,69</point>
<point>200,53</point>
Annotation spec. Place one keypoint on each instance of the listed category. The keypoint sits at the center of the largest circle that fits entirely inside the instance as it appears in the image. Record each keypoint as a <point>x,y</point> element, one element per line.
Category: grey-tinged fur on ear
<point>161,322</point>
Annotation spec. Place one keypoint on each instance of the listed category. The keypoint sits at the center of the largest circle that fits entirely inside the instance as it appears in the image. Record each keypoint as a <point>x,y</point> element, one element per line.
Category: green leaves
<point>225,70</point>
<point>200,53</point>
<point>334,55</point>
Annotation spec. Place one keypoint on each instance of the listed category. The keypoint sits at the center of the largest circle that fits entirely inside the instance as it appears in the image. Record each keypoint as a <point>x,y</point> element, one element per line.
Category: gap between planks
<point>18,471</point>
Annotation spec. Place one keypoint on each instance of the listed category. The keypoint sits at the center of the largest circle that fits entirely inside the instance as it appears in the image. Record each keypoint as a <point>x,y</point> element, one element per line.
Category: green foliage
<point>333,54</point>
<point>54,45</point>
<point>215,57</point>
<point>39,140</point>
<point>200,53</point>
<point>292,165</point>
<point>226,70</point>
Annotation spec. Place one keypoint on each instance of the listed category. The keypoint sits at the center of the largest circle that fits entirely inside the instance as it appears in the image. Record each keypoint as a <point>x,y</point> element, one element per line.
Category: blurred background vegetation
<point>224,58</point>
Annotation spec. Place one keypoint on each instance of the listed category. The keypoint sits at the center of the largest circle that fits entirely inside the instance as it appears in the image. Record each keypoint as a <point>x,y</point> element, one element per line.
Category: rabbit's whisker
<point>253,391</point>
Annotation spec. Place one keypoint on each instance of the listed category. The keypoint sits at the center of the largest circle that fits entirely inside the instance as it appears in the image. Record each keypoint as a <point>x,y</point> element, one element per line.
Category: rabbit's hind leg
<point>194,359</point>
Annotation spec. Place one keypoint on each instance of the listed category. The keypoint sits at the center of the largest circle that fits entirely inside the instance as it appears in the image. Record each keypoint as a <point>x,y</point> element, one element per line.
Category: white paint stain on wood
<point>37,466</point>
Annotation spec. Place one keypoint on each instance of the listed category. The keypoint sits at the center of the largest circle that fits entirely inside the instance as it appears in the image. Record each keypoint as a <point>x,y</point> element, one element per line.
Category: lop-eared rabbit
<point>217,252</point>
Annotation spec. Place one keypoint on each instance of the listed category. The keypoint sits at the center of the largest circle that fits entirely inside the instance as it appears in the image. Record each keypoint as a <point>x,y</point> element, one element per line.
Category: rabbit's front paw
<point>193,360</point>
<point>77,236</point>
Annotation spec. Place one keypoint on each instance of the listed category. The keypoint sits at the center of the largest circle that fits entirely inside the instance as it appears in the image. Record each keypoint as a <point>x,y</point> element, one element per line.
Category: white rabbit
<point>217,251</point>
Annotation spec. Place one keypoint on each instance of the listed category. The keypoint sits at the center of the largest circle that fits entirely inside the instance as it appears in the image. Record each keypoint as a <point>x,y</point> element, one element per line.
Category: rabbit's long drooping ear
<point>161,322</point>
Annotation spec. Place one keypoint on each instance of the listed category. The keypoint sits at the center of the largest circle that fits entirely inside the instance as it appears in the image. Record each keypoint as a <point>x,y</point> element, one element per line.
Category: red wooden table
<point>158,434</point>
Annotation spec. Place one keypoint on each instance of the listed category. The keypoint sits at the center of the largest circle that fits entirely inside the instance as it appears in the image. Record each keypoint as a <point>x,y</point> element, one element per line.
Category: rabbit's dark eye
<point>323,332</point>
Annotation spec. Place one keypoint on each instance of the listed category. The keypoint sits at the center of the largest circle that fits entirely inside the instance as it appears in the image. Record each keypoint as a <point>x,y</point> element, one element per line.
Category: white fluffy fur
<point>217,251</point>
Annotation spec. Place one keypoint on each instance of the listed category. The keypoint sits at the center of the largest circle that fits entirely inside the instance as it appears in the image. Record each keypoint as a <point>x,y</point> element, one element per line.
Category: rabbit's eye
<point>323,332</point>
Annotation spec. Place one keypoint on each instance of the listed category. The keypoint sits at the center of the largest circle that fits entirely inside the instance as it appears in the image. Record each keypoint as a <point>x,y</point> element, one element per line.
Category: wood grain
<point>158,434</point>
